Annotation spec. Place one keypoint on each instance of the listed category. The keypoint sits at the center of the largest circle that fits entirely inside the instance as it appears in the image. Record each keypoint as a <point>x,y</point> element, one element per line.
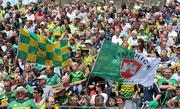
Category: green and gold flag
<point>39,49</point>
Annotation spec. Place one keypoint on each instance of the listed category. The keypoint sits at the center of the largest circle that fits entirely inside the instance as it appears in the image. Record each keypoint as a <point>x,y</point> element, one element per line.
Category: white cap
<point>111,1</point>
<point>42,23</point>
<point>88,42</point>
<point>4,48</point>
<point>42,77</point>
<point>20,89</point>
<point>134,31</point>
<point>177,46</point>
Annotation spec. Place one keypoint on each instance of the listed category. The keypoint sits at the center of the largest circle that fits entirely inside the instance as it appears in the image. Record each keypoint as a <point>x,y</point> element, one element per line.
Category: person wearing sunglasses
<point>39,101</point>
<point>22,102</point>
<point>100,86</point>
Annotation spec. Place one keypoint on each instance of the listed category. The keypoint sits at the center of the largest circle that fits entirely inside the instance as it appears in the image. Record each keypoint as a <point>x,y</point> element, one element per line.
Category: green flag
<point>39,49</point>
<point>120,64</point>
<point>109,60</point>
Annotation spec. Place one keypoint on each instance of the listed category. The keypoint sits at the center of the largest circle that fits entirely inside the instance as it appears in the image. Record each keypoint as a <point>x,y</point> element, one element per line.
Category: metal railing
<point>91,107</point>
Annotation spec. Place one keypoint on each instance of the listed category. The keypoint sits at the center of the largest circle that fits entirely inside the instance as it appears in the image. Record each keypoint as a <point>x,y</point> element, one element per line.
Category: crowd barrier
<point>80,107</point>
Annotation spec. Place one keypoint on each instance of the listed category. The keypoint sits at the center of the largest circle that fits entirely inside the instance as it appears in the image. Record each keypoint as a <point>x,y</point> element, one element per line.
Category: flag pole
<point>97,56</point>
<point>90,75</point>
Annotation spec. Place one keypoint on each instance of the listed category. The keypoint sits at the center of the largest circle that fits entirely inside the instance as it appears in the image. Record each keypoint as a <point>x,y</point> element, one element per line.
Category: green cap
<point>153,104</point>
<point>23,17</point>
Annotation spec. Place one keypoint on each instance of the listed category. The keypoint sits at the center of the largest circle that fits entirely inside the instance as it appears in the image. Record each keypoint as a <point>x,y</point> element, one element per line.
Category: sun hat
<point>21,89</point>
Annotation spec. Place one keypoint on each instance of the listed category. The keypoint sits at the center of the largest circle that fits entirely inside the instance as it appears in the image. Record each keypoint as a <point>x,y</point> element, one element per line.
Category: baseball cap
<point>21,89</point>
<point>42,23</point>
<point>42,77</point>
<point>178,46</point>
<point>88,42</point>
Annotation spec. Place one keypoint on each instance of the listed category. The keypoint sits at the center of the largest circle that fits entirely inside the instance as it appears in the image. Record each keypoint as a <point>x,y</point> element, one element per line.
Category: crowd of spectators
<point>149,29</point>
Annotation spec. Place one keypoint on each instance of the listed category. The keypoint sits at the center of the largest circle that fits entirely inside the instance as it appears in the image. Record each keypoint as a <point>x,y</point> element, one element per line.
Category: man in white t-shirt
<point>116,38</point>
<point>133,39</point>
<point>30,16</point>
<point>99,89</point>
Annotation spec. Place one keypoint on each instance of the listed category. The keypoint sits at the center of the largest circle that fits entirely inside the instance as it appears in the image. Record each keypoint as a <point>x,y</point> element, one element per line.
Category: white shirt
<point>117,40</point>
<point>103,94</point>
<point>30,17</point>
<point>110,21</point>
<point>9,33</point>
<point>31,29</point>
<point>170,41</point>
<point>71,16</point>
<point>172,34</point>
<point>47,91</point>
<point>159,49</point>
<point>132,42</point>
<point>175,76</point>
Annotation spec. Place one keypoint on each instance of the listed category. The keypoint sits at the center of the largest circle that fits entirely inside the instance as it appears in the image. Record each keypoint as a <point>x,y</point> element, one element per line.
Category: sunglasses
<point>98,85</point>
<point>20,93</point>
<point>35,92</point>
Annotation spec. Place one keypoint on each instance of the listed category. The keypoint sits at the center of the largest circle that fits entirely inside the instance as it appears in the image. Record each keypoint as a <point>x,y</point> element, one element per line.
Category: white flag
<point>143,70</point>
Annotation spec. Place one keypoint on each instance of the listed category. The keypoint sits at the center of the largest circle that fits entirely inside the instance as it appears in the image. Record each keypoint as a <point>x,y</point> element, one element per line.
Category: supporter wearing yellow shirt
<point>51,26</point>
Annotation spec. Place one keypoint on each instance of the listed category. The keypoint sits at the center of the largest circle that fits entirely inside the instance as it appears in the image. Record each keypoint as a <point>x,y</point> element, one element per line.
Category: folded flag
<point>120,64</point>
<point>39,49</point>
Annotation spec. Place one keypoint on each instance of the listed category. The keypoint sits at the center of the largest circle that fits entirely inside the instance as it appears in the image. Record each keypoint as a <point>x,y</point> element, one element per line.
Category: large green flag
<point>117,63</point>
<point>109,60</point>
<point>39,49</point>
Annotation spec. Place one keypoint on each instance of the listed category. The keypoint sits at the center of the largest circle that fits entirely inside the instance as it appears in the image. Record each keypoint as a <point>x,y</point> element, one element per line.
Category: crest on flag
<point>129,67</point>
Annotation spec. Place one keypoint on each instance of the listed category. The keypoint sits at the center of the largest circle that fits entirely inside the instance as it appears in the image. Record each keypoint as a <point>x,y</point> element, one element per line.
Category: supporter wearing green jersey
<point>21,101</point>
<point>52,78</point>
<point>166,82</point>
<point>3,98</point>
<point>9,93</point>
<point>6,95</point>
<point>167,86</point>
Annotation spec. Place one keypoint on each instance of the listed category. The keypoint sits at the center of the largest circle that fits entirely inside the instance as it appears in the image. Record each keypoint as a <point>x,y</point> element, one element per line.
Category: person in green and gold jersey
<point>39,101</point>
<point>8,92</point>
<point>3,97</point>
<point>130,92</point>
<point>7,95</point>
<point>22,82</point>
<point>21,102</point>
<point>77,76</point>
